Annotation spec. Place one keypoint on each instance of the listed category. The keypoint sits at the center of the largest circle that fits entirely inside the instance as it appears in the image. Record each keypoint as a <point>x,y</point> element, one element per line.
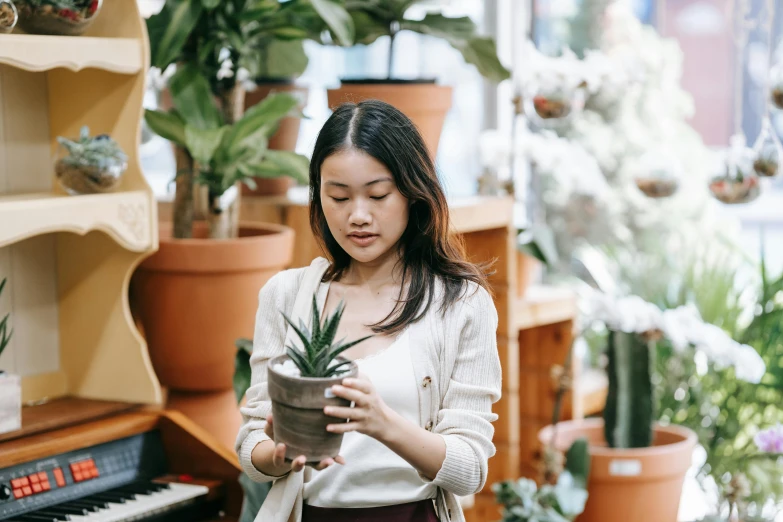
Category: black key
<point>69,510</point>
<point>108,496</point>
<point>86,505</point>
<point>52,512</point>
<point>141,489</point>
<point>30,517</point>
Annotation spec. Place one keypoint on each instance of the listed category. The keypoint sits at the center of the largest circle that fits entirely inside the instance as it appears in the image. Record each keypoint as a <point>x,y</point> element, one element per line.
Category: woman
<point>420,431</point>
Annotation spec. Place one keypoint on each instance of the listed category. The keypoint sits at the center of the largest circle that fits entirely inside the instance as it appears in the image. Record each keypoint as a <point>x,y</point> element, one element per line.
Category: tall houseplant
<point>421,100</point>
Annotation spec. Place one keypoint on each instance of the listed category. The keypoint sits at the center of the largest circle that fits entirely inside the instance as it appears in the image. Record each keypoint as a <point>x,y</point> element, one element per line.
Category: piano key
<point>37,518</point>
<point>94,504</point>
<point>52,512</point>
<point>69,510</point>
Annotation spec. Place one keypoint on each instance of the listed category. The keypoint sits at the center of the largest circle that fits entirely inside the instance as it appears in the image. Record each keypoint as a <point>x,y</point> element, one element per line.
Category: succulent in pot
<point>299,384</point>
<point>90,164</point>
<point>57,17</point>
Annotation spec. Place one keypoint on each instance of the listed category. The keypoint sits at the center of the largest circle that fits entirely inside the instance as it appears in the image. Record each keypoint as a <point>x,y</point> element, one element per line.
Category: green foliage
<point>318,347</point>
<point>5,333</point>
<point>242,372</point>
<point>628,415</point>
<point>538,242</point>
<point>100,151</point>
<point>226,154</point>
<point>524,501</point>
<point>376,18</point>
<point>263,36</point>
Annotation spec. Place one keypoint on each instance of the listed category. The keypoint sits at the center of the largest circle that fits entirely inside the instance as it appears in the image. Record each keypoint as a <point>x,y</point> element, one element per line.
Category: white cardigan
<point>457,366</point>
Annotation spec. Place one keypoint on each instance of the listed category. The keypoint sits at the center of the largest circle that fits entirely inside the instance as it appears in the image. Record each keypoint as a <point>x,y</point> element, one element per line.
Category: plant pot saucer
<point>386,81</point>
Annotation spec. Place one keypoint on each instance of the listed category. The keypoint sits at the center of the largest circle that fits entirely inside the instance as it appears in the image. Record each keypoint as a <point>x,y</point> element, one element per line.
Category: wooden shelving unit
<point>69,259</point>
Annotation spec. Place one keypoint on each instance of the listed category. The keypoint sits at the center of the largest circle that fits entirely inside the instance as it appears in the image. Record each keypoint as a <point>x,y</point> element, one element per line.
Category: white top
<point>458,377</point>
<point>373,475</point>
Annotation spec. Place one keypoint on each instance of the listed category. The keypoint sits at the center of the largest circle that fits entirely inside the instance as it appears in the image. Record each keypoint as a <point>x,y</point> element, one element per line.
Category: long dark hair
<point>428,250</point>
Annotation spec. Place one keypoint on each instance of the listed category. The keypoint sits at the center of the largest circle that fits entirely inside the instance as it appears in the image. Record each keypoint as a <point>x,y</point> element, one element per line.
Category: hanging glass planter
<point>736,181</point>
<point>767,151</point>
<point>8,16</point>
<point>552,106</point>
<point>658,175</point>
<point>776,85</point>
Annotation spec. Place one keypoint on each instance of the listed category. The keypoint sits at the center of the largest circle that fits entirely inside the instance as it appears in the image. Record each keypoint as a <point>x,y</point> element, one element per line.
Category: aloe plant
<point>5,334</point>
<point>318,347</point>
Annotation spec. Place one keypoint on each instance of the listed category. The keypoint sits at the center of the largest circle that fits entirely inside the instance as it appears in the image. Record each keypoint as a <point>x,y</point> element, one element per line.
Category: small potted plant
<point>657,174</point>
<point>535,247</point>
<point>300,384</point>
<point>8,16</point>
<point>736,181</point>
<point>10,385</point>
<point>90,164</point>
<point>767,151</point>
<point>57,17</point>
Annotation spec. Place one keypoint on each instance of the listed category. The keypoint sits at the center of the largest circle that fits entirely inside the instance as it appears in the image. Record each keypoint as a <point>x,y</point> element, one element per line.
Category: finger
<point>362,384</point>
<point>345,413</point>
<point>359,397</point>
<point>339,459</point>
<point>299,463</point>
<point>344,427</point>
<point>278,458</point>
<point>324,464</point>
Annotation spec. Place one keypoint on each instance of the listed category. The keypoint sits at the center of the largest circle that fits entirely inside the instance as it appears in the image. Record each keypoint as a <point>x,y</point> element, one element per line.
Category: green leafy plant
<point>538,242</point>
<point>5,333</point>
<point>210,41</point>
<point>99,151</point>
<point>563,501</point>
<point>375,18</point>
<point>319,351</point>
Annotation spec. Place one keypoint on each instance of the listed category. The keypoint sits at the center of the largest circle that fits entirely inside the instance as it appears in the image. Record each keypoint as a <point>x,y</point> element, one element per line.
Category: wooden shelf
<point>544,305</point>
<point>479,213</point>
<point>42,53</point>
<point>63,412</point>
<point>124,216</point>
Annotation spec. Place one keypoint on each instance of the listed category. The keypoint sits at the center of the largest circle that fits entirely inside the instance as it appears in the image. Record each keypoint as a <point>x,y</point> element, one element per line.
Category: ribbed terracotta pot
<point>298,412</point>
<point>640,484</point>
<point>284,139</point>
<point>195,297</point>
<point>425,103</point>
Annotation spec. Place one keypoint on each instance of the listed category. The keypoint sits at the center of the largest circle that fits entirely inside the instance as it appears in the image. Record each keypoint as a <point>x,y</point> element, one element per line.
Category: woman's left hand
<point>369,416</point>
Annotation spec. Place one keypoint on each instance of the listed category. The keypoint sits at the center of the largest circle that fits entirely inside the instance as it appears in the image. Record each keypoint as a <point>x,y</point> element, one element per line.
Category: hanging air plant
<point>8,16</point>
<point>767,151</point>
<point>548,107</point>
<point>658,174</point>
<point>776,85</point>
<point>736,182</point>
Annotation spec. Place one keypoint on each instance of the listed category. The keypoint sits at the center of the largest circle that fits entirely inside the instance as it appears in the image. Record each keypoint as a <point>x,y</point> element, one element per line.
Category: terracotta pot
<point>527,270</point>
<point>195,297</point>
<point>216,412</point>
<point>298,411</point>
<point>640,484</point>
<point>426,104</point>
<point>284,139</point>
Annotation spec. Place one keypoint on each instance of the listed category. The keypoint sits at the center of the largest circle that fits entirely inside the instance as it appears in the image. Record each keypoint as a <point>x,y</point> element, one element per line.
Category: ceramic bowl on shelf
<point>52,17</point>
<point>8,16</point>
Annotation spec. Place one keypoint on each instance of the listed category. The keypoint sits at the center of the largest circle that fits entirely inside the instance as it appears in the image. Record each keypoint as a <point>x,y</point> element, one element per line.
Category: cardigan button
<point>428,427</point>
<point>426,382</point>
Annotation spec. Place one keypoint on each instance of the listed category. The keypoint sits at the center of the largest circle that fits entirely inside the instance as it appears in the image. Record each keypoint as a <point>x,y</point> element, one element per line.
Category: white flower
<point>679,324</point>
<point>157,80</point>
<point>226,69</point>
<point>494,149</point>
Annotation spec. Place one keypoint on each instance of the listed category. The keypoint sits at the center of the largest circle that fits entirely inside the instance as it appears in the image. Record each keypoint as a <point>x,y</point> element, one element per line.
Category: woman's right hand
<point>271,460</point>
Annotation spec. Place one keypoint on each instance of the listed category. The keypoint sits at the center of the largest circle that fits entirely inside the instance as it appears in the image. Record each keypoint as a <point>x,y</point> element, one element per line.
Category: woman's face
<point>365,212</point>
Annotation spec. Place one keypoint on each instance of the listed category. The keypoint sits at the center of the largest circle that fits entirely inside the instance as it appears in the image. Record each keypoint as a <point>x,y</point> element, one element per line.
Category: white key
<point>146,505</point>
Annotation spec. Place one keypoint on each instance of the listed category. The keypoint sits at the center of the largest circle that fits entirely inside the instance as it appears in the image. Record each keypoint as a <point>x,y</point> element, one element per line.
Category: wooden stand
<point>68,259</point>
<point>534,332</point>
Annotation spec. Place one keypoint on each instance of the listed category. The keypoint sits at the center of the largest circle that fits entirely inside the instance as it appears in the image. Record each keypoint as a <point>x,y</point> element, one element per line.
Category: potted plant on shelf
<point>243,43</point>
<point>535,247</point>
<point>10,385</point>
<point>90,165</point>
<point>421,100</point>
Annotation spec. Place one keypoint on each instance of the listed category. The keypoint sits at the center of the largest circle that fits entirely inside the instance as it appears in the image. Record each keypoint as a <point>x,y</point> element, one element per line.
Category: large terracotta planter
<point>298,410</point>
<point>195,297</point>
<point>641,484</point>
<point>284,139</point>
<point>425,103</point>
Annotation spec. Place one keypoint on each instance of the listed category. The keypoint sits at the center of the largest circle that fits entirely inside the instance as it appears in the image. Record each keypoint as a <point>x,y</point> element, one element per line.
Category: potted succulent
<point>90,165</point>
<point>299,384</point>
<point>10,385</point>
<point>421,100</point>
<point>57,17</point>
<point>560,499</point>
